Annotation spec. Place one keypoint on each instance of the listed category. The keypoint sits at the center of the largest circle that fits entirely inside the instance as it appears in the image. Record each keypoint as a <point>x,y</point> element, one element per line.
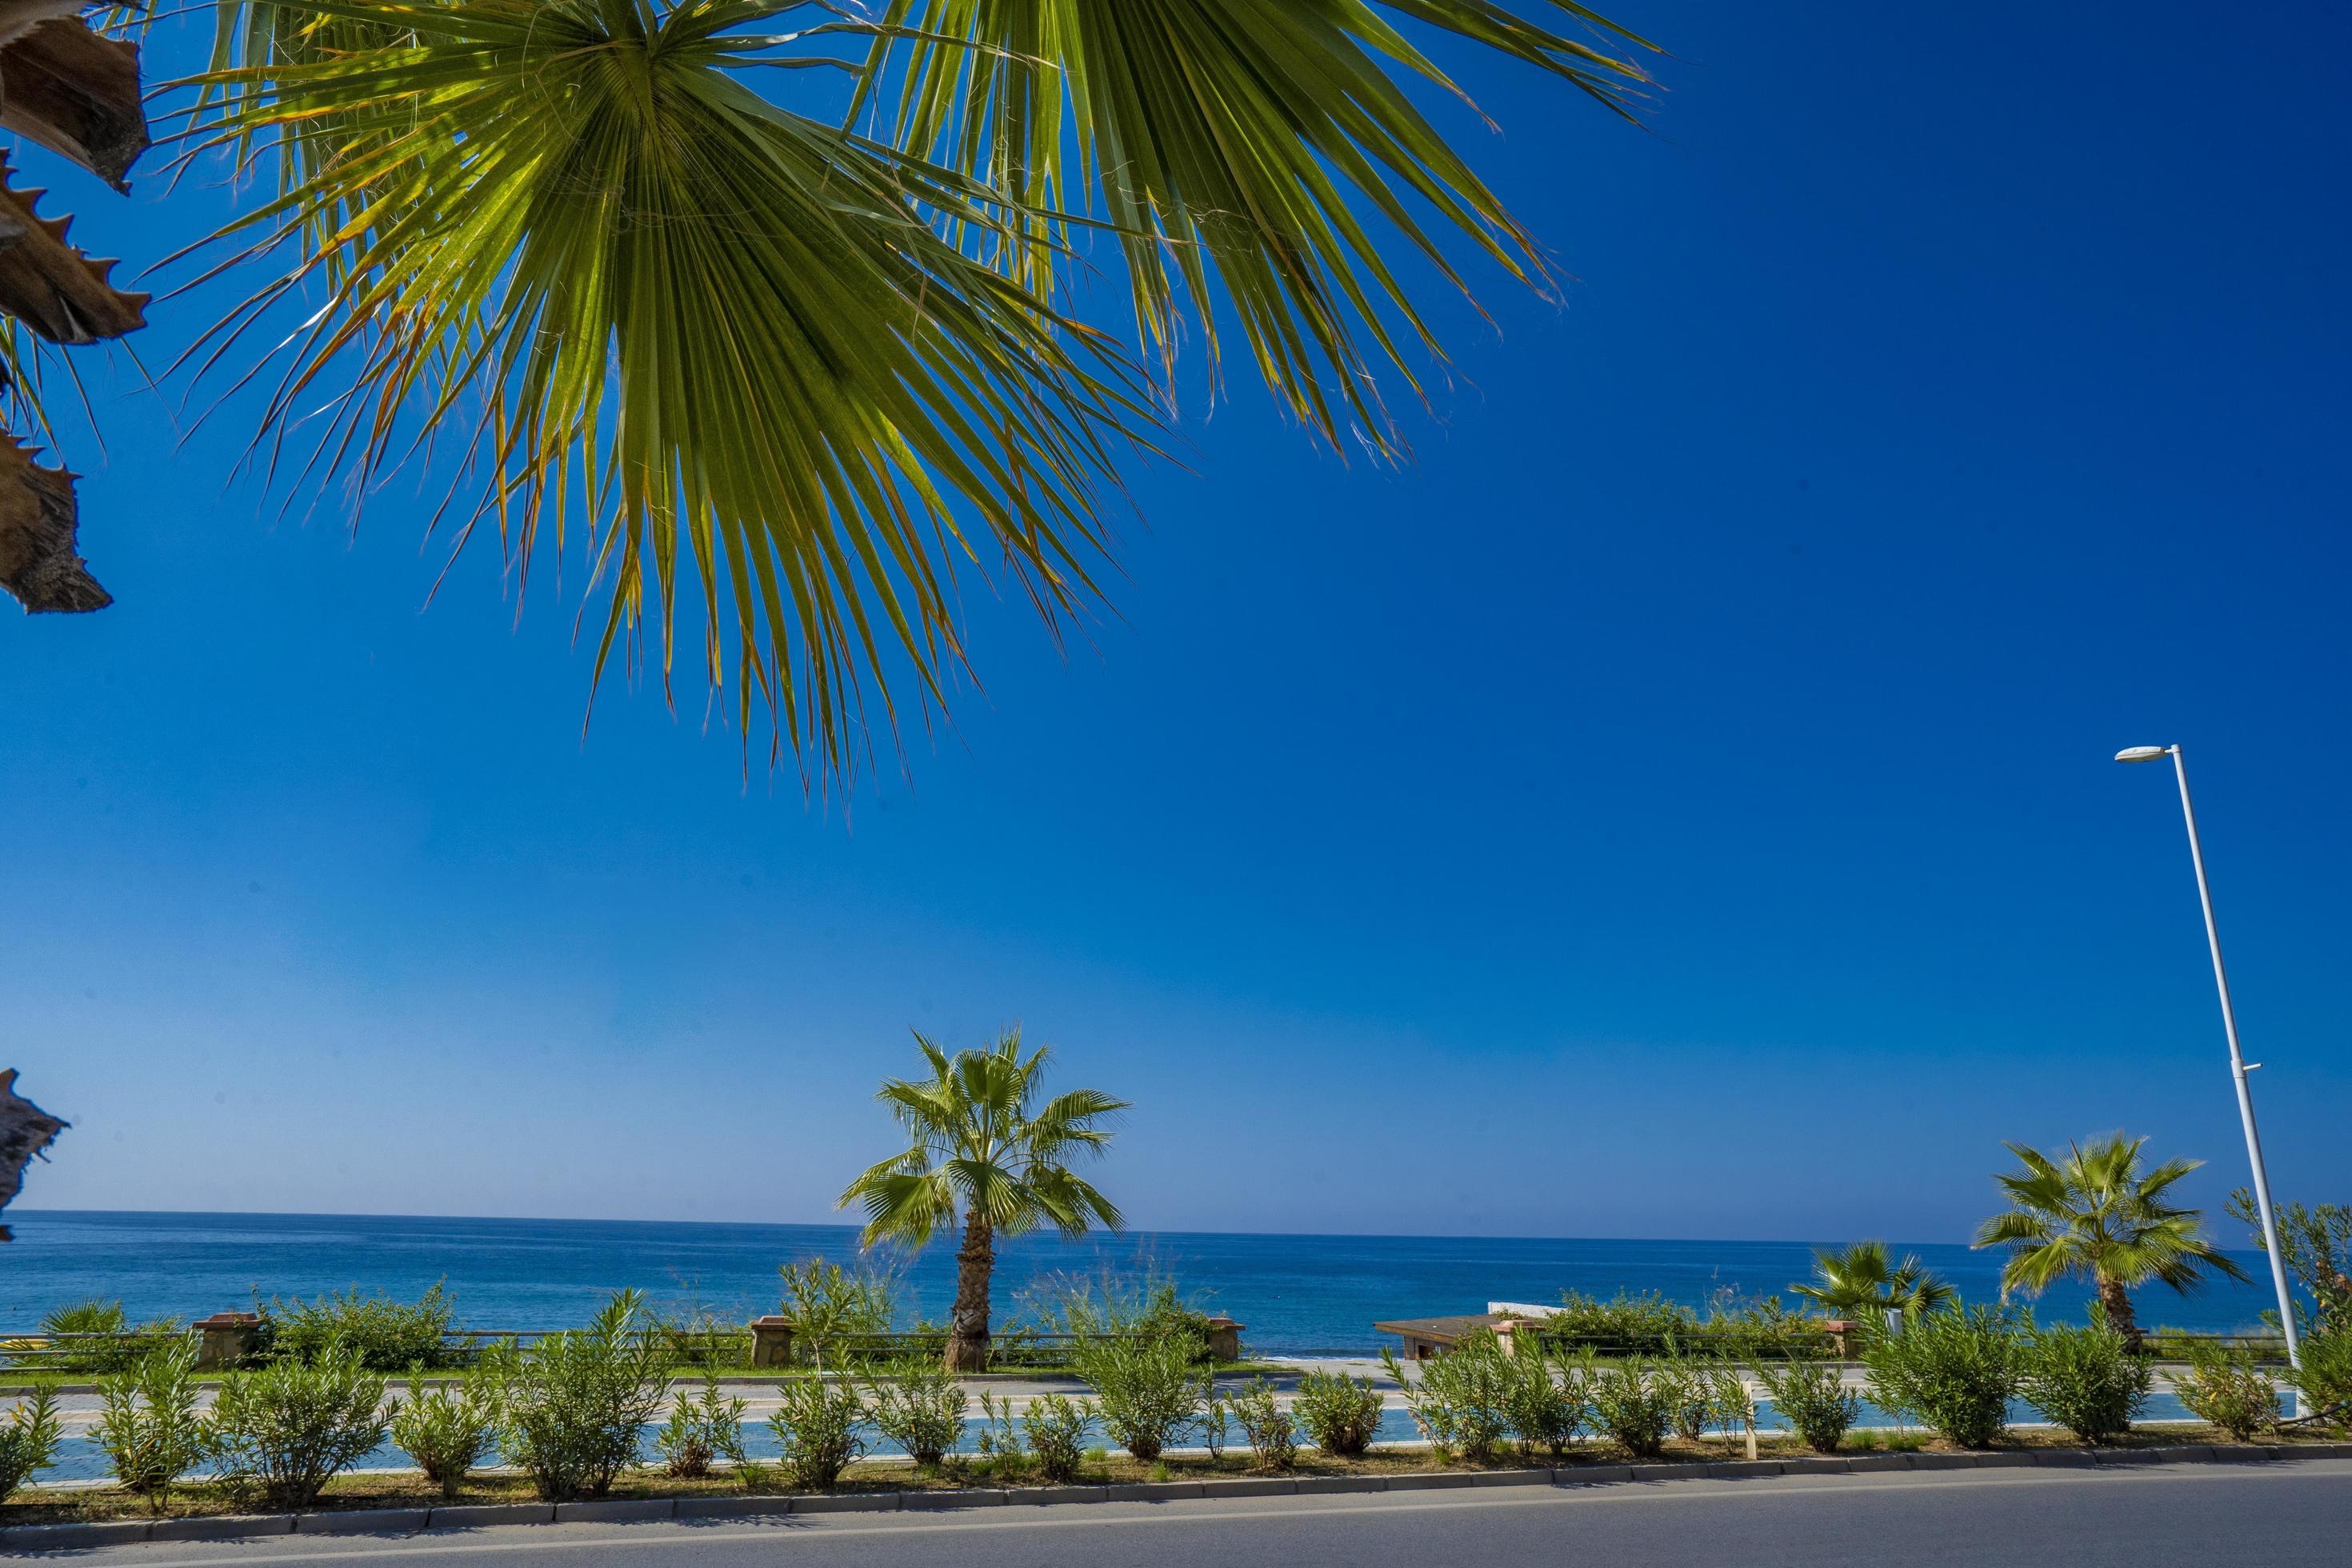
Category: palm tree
<point>2100,1217</point>
<point>979,1141</point>
<point>797,358</point>
<point>1863,1284</point>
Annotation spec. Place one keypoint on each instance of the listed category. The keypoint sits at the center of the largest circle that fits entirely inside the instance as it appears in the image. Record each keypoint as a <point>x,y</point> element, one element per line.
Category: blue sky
<point>1676,804</point>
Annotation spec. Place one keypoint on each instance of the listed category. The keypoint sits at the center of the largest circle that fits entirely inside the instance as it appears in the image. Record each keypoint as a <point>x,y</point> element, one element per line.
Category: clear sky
<point>1678,805</point>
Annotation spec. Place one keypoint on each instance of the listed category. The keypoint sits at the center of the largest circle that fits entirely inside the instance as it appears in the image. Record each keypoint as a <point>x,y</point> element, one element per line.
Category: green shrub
<point>1812,1398</point>
<point>580,1401</point>
<point>701,1431</point>
<point>2227,1387</point>
<point>1646,1324</point>
<point>1217,1421</point>
<point>1954,1370</point>
<point>1142,1301</point>
<point>387,1335</point>
<point>29,1441</point>
<point>284,1429</point>
<point>1633,1406</point>
<point>1682,1382</point>
<point>838,1314</point>
<point>448,1429</point>
<point>1461,1400</point>
<point>149,1427</point>
<point>2088,1380</point>
<point>1145,1387</point>
<point>2324,1379</point>
<point>706,1341</point>
<point>998,1442</point>
<point>1545,1411</point>
<point>1057,1428</point>
<point>920,1406</point>
<point>1731,1403</point>
<point>815,1424</point>
<point>1273,1436</point>
<point>1340,1415</point>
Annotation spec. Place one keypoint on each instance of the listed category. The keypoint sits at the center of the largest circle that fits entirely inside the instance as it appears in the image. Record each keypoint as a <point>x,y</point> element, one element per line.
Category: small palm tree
<point>2099,1216</point>
<point>1862,1282</point>
<point>978,1143</point>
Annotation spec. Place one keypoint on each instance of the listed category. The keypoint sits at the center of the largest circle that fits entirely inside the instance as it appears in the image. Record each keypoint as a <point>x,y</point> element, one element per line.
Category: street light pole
<point>2238,1067</point>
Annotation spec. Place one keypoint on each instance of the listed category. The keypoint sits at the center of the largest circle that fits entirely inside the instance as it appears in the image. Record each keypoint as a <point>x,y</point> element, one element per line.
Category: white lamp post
<point>2238,1066</point>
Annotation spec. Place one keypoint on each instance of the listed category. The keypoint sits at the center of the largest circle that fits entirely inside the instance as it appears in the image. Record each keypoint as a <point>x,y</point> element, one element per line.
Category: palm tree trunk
<point>2116,1303</point>
<point>968,1325</point>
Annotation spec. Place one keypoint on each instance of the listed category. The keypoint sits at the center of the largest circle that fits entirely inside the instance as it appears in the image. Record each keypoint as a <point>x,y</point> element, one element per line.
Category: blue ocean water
<point>1297,1295</point>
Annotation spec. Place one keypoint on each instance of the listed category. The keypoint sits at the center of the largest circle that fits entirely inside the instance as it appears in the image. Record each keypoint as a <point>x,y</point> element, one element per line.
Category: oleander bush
<point>1340,1414</point>
<point>1145,1387</point>
<point>1953,1370</point>
<point>282,1430</point>
<point>1647,1324</point>
<point>2227,1387</point>
<point>1272,1434</point>
<point>148,1425</point>
<point>580,1401</point>
<point>2324,1379</point>
<point>839,1315</point>
<point>918,1404</point>
<point>448,1428</point>
<point>1460,1401</point>
<point>997,1444</point>
<point>1056,1429</point>
<point>816,1427</point>
<point>1632,1406</point>
<point>1143,1300</point>
<point>28,1443</point>
<point>1811,1397</point>
<point>1544,1399</point>
<point>1731,1403</point>
<point>1682,1382</point>
<point>702,1431</point>
<point>2089,1379</point>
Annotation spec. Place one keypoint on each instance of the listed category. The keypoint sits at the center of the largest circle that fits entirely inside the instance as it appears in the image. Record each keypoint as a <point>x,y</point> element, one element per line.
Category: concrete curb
<point>28,1538</point>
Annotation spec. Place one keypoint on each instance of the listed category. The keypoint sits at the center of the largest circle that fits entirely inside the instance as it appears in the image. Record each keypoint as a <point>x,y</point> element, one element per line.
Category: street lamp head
<point>2142,753</point>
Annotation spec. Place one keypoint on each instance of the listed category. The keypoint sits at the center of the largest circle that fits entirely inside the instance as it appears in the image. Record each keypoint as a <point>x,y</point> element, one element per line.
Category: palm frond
<point>1247,148</point>
<point>728,344</point>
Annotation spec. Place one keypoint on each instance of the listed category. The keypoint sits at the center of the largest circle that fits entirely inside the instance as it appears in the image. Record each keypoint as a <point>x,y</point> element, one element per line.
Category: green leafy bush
<point>1647,1324</point>
<point>817,1423</point>
<point>284,1429</point>
<point>1633,1406</point>
<point>998,1442</point>
<point>1731,1403</point>
<point>1461,1400</point>
<point>387,1335</point>
<point>2324,1379</point>
<point>2227,1387</point>
<point>28,1442</point>
<point>1273,1436</point>
<point>839,1315</point>
<point>1217,1421</point>
<point>1340,1415</point>
<point>701,1431</point>
<point>1056,1429</point>
<point>1812,1398</point>
<point>580,1401</point>
<point>919,1406</point>
<point>1954,1370</point>
<point>2088,1380</point>
<point>1682,1382</point>
<point>149,1427</point>
<point>1145,1387</point>
<point>448,1429</point>
<point>1544,1399</point>
<point>1140,1301</point>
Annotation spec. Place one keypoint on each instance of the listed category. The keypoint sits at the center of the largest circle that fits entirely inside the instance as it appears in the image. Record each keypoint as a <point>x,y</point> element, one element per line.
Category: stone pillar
<point>771,1342</point>
<point>225,1338</point>
<point>1225,1338</point>
<point>1842,1332</point>
<point>1507,1335</point>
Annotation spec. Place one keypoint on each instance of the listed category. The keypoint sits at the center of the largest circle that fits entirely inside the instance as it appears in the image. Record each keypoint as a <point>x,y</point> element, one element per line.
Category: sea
<point>1295,1295</point>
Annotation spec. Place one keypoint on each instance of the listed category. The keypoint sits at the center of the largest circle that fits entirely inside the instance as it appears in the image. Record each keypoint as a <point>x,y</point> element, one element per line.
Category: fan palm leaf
<point>1265,146</point>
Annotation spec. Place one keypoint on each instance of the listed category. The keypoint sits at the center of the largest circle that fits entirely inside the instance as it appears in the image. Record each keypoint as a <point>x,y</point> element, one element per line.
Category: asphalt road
<point>2278,1515</point>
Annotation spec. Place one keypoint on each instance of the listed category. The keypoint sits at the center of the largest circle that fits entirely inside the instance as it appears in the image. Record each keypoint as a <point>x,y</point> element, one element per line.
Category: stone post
<point>225,1338</point>
<point>1842,1332</point>
<point>771,1342</point>
<point>1225,1338</point>
<point>1507,1335</point>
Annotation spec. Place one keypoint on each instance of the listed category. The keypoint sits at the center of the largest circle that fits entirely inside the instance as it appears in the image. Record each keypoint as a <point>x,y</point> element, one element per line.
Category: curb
<point>24,1538</point>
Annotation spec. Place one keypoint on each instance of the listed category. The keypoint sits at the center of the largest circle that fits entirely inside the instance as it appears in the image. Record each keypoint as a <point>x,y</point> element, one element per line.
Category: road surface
<point>2279,1515</point>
